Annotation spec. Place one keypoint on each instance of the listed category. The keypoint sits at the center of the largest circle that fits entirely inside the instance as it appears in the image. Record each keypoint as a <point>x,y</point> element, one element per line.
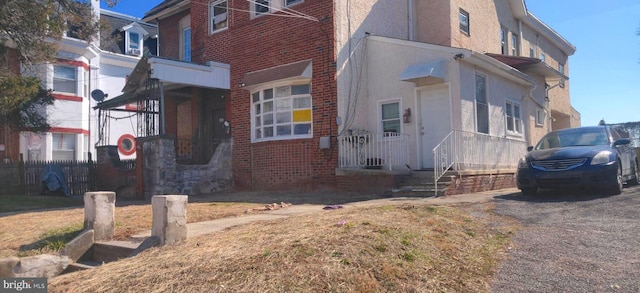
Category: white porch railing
<point>463,150</point>
<point>387,151</point>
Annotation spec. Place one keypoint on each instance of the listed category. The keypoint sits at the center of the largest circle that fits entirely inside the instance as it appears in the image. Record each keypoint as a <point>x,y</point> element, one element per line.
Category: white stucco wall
<point>499,91</point>
<point>111,78</point>
<point>353,19</point>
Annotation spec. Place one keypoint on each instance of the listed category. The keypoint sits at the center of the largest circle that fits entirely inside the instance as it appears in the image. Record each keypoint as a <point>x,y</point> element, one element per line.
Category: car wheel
<point>529,191</point>
<point>616,188</point>
<point>636,175</point>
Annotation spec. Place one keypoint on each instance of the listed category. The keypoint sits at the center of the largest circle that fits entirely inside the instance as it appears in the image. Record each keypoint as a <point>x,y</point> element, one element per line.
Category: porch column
<point>99,213</point>
<point>169,218</point>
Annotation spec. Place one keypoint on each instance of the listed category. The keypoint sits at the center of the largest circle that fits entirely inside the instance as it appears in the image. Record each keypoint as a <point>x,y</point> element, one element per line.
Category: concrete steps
<point>102,252</point>
<point>421,184</point>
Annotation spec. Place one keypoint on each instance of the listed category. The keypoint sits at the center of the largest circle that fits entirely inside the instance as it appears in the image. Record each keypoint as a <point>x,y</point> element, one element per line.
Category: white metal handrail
<point>387,151</point>
<point>463,150</point>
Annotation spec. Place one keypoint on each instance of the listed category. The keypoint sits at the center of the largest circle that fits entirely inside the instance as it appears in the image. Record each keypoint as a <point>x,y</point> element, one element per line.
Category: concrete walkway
<point>206,227</point>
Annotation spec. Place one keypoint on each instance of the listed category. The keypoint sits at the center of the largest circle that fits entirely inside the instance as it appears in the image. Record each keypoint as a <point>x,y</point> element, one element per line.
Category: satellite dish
<point>97,95</point>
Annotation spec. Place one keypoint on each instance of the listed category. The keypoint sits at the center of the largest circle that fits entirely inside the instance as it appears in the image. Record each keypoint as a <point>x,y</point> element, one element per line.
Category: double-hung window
<point>561,69</point>
<point>65,79</point>
<point>63,146</point>
<point>515,48</point>
<point>283,112</point>
<point>464,22</point>
<point>391,118</point>
<point>514,120</point>
<point>482,107</point>
<point>218,16</point>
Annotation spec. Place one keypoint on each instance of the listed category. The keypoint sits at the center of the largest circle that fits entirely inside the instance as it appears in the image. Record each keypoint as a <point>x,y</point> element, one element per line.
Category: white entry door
<point>435,121</point>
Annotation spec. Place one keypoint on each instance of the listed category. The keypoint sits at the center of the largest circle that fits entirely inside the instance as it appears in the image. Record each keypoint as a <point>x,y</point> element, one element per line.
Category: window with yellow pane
<point>282,112</point>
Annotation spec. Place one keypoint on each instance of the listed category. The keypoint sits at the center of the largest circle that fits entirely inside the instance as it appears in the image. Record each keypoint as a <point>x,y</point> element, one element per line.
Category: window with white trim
<point>260,7</point>
<point>464,22</point>
<point>134,44</point>
<point>513,117</point>
<point>503,41</point>
<point>390,117</point>
<point>218,15</point>
<point>65,79</point>
<point>186,44</point>
<point>482,106</point>
<point>63,146</point>
<point>540,117</point>
<point>515,49</point>
<point>282,112</point>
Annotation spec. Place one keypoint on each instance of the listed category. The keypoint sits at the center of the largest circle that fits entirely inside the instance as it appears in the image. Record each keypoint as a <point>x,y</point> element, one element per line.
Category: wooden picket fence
<point>25,177</point>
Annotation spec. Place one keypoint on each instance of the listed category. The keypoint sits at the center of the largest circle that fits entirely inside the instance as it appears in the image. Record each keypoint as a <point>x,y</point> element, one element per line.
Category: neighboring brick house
<point>317,90</point>
<point>10,138</point>
<point>80,68</point>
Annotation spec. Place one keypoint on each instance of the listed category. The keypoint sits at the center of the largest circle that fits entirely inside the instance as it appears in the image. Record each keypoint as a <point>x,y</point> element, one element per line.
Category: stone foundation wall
<point>159,167</point>
<point>209,178</point>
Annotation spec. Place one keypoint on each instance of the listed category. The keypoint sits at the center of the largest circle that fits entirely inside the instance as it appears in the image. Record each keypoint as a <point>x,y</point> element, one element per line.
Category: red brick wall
<point>170,35</point>
<point>478,183</point>
<point>254,44</point>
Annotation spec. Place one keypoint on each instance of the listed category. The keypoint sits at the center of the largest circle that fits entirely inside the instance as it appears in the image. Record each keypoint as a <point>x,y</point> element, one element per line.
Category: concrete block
<point>6,266</point>
<point>77,247</point>
<point>41,266</point>
<point>169,218</point>
<point>99,213</point>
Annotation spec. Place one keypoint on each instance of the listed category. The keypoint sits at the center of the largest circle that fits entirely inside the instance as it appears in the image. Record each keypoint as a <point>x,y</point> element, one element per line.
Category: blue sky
<point>604,71</point>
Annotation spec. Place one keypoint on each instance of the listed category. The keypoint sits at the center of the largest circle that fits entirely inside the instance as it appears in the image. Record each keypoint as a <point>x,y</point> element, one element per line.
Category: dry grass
<point>401,248</point>
<point>40,232</point>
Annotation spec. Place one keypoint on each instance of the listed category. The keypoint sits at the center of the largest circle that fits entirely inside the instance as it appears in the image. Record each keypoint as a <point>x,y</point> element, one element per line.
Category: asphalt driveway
<point>572,242</point>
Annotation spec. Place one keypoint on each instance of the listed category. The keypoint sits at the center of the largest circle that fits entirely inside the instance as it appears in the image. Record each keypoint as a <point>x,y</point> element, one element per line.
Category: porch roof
<point>291,71</point>
<point>170,73</point>
<point>434,70</point>
<point>531,65</point>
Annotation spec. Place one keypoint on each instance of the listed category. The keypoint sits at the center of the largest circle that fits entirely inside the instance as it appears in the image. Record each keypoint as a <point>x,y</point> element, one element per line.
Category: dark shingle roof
<point>117,21</point>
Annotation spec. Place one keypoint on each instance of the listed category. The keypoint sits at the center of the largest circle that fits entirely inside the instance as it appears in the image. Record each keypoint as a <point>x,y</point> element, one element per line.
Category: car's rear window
<point>574,137</point>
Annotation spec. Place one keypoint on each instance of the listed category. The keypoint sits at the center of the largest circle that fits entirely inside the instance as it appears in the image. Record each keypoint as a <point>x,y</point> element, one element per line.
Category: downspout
<point>411,26</point>
<point>520,37</point>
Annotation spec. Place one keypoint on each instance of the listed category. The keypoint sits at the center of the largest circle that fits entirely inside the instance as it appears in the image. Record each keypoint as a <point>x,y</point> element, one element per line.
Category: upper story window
<point>514,120</point>
<point>482,107</point>
<point>515,51</point>
<point>561,68</point>
<point>503,41</point>
<point>542,57</point>
<point>218,16</point>
<point>282,112</point>
<point>260,7</point>
<point>186,49</point>
<point>464,22</point>
<point>65,79</point>
<point>532,53</point>
<point>133,44</point>
<point>391,117</point>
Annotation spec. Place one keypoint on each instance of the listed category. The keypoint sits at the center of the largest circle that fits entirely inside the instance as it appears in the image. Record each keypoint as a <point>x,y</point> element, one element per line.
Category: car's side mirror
<point>529,148</point>
<point>622,141</point>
